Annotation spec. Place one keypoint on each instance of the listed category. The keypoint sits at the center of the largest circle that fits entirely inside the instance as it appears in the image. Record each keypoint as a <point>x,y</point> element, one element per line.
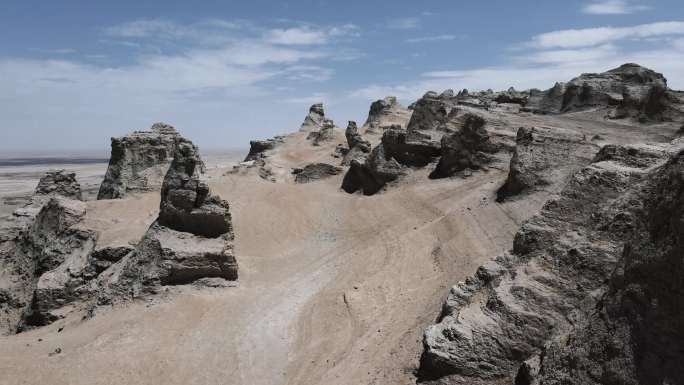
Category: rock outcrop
<point>61,183</point>
<point>495,326</point>
<point>633,335</point>
<point>385,113</point>
<point>315,171</point>
<point>629,91</point>
<point>191,240</point>
<point>358,147</point>
<point>325,134</point>
<point>314,119</point>
<point>544,158</point>
<point>42,254</point>
<point>139,161</point>
<point>372,175</point>
<point>468,148</point>
<point>258,148</point>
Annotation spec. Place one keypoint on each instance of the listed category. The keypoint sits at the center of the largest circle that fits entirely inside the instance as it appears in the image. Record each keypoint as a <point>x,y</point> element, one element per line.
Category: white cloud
<point>434,38</point>
<point>296,36</point>
<point>612,7</point>
<point>404,23</point>
<point>574,38</point>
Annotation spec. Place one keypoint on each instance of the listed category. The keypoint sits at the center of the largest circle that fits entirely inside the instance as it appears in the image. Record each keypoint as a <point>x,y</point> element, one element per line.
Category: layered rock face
<point>358,147</point>
<point>315,171</point>
<point>43,254</point>
<point>496,327</point>
<point>59,183</point>
<point>544,157</point>
<point>258,148</point>
<point>139,161</point>
<point>630,90</point>
<point>191,240</point>
<point>634,334</point>
<point>314,119</point>
<point>385,113</point>
<point>466,149</point>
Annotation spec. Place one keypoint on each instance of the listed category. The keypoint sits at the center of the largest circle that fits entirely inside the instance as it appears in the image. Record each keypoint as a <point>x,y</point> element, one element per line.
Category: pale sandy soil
<point>333,289</point>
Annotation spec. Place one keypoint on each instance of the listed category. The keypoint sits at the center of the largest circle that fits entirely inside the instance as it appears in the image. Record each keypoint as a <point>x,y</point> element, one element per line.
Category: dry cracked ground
<point>335,287</point>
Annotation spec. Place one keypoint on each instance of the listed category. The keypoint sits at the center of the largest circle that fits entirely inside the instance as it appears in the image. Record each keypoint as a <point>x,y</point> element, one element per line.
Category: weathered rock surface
<point>497,323</point>
<point>372,175</point>
<point>314,119</point>
<point>257,148</point>
<point>544,158</point>
<point>315,171</point>
<point>630,91</point>
<point>325,134</point>
<point>468,148</point>
<point>139,161</point>
<point>384,113</point>
<point>358,147</point>
<point>633,335</point>
<point>192,238</point>
<point>40,244</point>
<point>60,183</point>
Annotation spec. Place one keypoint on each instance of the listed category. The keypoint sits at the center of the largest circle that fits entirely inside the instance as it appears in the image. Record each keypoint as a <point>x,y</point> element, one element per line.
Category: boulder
<point>467,148</point>
<point>386,112</point>
<point>544,158</point>
<point>315,171</point>
<point>314,119</point>
<point>139,161</point>
<point>410,148</point>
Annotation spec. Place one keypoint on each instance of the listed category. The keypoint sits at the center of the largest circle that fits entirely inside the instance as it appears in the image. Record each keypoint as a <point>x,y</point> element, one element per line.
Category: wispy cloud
<point>574,38</point>
<point>307,35</point>
<point>613,7</point>
<point>425,39</point>
<point>56,51</point>
<point>404,23</point>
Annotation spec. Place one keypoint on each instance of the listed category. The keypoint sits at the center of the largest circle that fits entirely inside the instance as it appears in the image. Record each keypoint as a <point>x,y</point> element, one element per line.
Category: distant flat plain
<point>19,173</point>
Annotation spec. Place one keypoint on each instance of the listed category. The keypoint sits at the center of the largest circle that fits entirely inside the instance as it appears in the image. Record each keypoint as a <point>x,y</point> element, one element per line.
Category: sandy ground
<point>334,288</point>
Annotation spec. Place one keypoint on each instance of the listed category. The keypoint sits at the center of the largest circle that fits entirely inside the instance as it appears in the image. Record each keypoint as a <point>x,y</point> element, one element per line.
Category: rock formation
<point>495,326</point>
<point>633,335</point>
<point>315,171</point>
<point>630,91</point>
<point>325,134</point>
<point>467,148</point>
<point>191,240</point>
<point>60,183</point>
<point>372,175</point>
<point>139,161</point>
<point>314,119</point>
<point>384,113</point>
<point>544,157</point>
<point>358,147</point>
<point>41,247</point>
<point>257,148</point>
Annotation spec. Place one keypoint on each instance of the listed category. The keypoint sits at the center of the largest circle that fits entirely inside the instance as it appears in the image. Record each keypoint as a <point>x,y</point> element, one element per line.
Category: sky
<point>75,73</point>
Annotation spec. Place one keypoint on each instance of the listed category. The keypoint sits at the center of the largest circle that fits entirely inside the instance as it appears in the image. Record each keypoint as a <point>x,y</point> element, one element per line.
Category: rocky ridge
<point>495,326</point>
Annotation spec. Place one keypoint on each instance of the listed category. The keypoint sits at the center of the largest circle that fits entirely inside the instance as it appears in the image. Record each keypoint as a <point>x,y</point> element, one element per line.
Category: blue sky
<point>74,73</point>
